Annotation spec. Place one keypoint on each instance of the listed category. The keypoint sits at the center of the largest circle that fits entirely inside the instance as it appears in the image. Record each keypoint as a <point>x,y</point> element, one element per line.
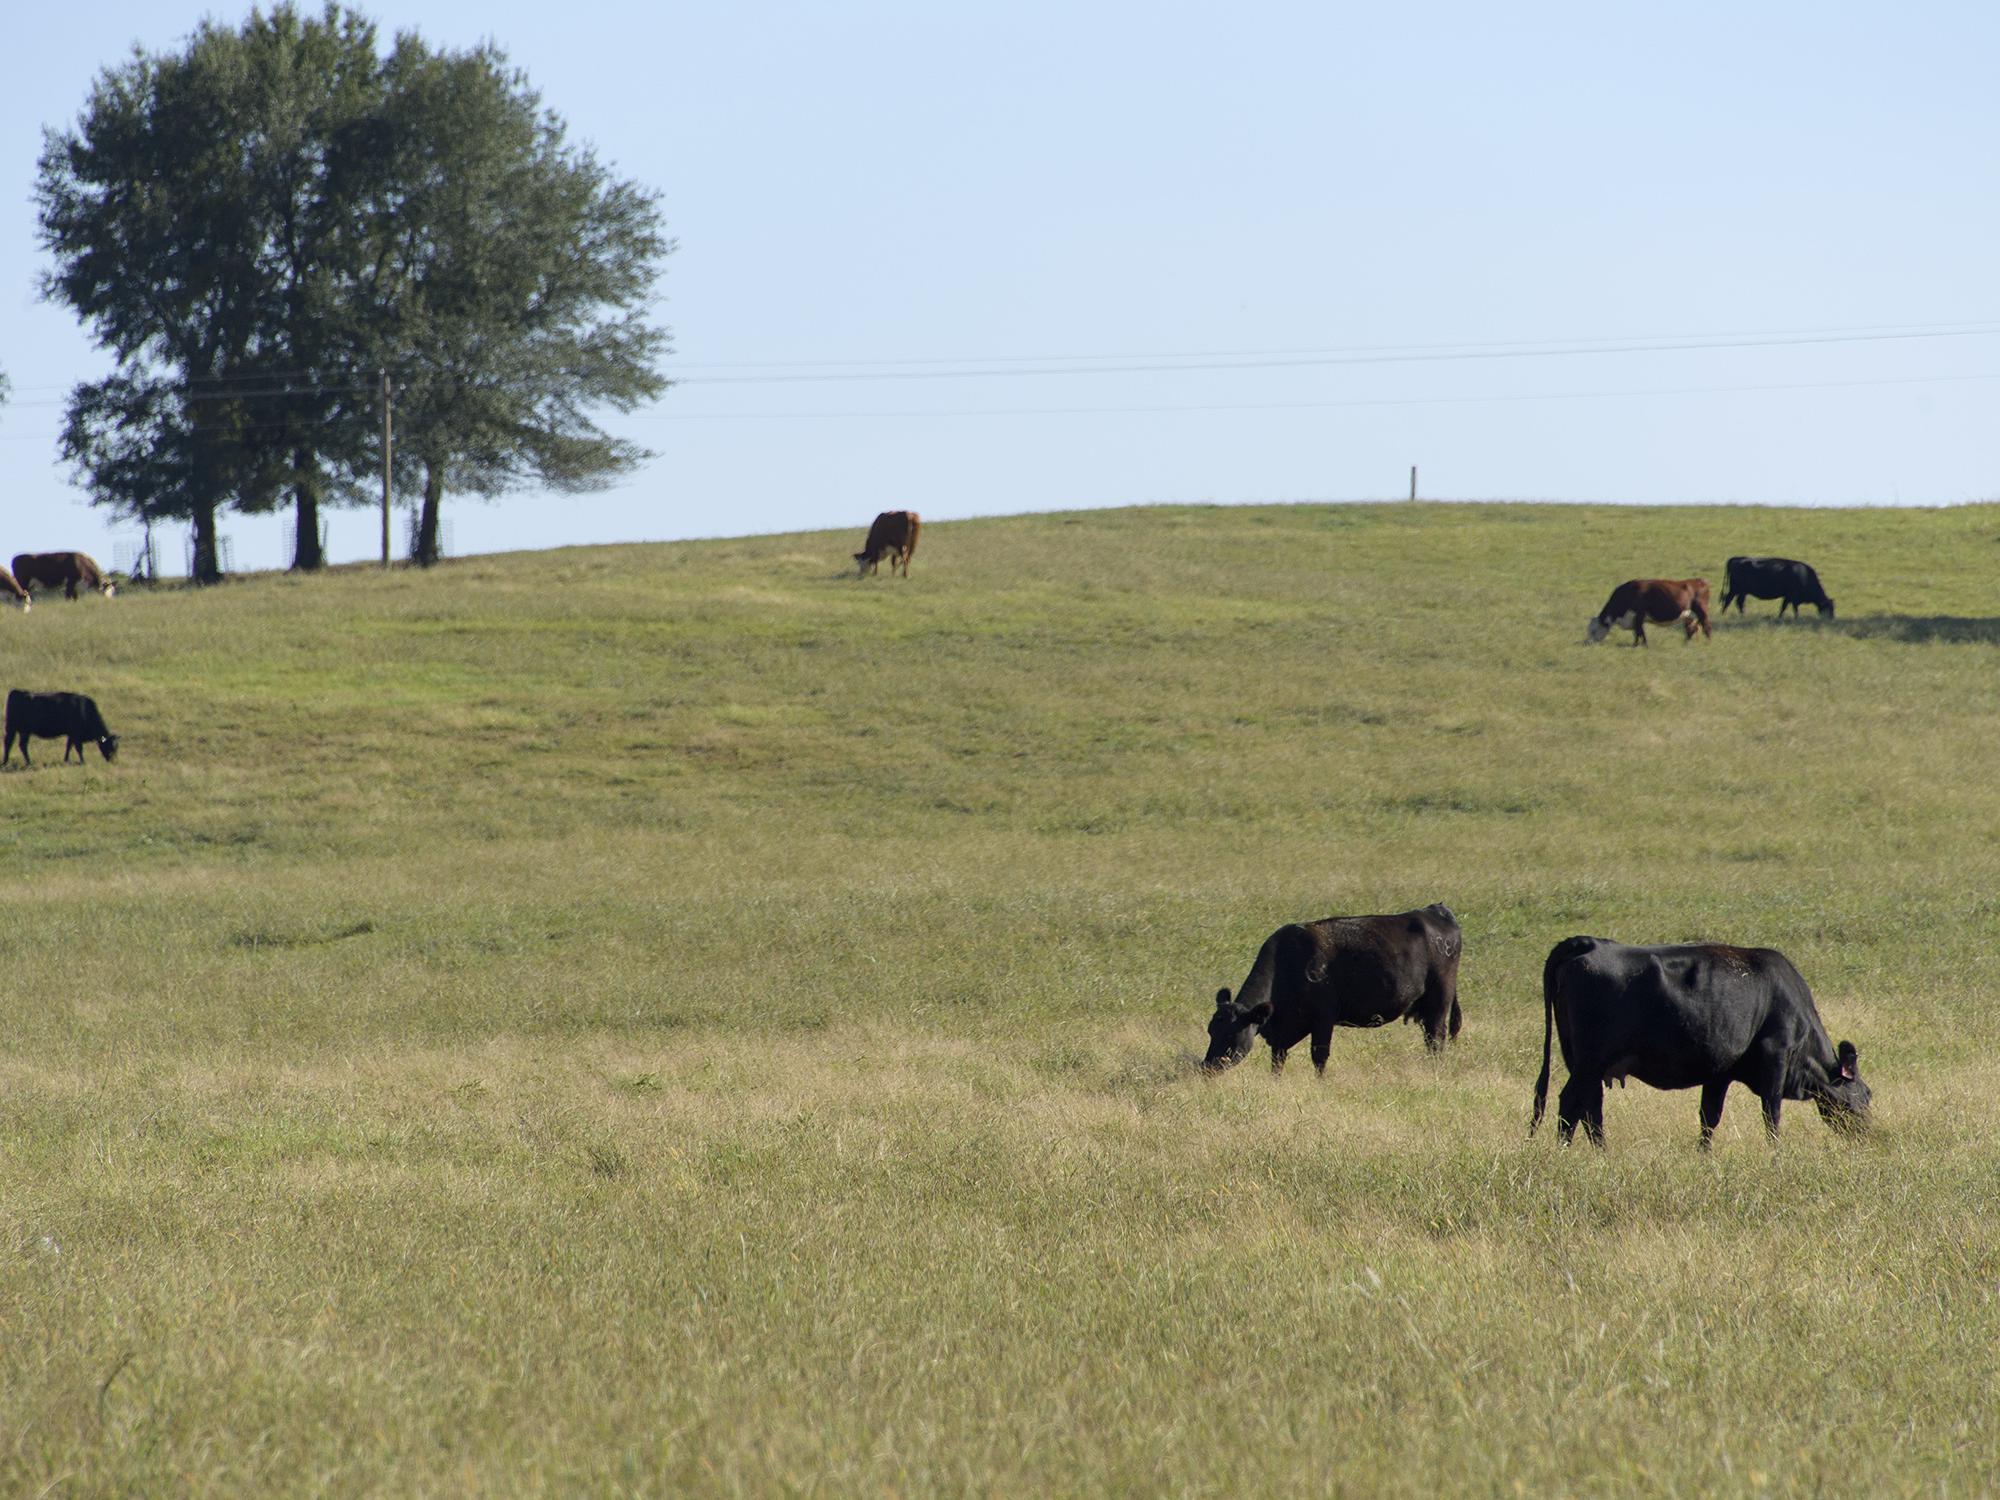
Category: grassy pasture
<point>678,1019</point>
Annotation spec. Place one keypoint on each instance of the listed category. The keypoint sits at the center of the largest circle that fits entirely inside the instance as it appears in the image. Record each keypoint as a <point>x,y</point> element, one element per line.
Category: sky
<point>979,259</point>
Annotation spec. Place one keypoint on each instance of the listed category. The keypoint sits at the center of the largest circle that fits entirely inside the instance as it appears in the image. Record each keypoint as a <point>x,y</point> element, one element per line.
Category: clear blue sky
<point>1043,182</point>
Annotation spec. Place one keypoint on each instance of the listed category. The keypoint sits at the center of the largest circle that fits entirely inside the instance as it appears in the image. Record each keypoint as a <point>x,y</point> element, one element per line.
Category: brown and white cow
<point>65,568</point>
<point>894,536</point>
<point>1660,600</point>
<point>11,588</point>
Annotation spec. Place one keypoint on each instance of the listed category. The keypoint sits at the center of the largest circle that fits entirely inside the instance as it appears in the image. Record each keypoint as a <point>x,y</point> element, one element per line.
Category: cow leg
<point>1639,633</point>
<point>1764,1073</point>
<point>1282,1035</point>
<point>1581,1100</point>
<point>1322,1048</point>
<point>1711,1108</point>
<point>1440,1012</point>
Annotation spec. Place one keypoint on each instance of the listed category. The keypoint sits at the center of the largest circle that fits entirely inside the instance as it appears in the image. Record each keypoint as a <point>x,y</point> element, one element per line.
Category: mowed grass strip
<point>680,1019</point>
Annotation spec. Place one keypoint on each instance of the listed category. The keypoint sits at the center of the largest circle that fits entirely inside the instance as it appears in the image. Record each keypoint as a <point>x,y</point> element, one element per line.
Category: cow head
<point>1825,607</point>
<point>110,590</point>
<point>1232,1031</point>
<point>861,561</point>
<point>107,746</point>
<point>1843,1099</point>
<point>1596,631</point>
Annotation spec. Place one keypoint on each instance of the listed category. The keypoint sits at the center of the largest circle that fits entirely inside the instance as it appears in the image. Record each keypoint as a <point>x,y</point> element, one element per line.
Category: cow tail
<point>1559,955</point>
<point>1542,1082</point>
<point>1448,943</point>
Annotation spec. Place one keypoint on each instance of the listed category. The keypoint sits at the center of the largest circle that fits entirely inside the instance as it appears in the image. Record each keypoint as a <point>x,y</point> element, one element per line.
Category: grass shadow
<point>1773,622</point>
<point>1917,629</point>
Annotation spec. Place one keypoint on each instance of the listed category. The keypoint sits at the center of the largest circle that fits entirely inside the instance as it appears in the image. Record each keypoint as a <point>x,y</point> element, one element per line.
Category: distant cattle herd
<point>69,717</point>
<point>1697,1015</point>
<point>1689,1016</point>
<point>1684,601</point>
<point>1693,1016</point>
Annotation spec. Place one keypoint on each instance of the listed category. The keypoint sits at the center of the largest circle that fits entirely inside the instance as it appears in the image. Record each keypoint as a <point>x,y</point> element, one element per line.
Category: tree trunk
<point>207,565</point>
<point>307,555</point>
<point>426,553</point>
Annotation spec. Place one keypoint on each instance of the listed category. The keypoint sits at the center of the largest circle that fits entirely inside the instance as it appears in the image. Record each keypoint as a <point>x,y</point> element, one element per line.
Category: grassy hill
<point>679,1019</point>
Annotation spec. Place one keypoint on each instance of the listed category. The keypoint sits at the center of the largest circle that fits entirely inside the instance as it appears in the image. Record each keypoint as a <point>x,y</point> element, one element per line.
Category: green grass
<point>681,1020</point>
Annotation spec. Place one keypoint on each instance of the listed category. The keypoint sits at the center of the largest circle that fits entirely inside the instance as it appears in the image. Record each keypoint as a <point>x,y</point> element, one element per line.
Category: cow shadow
<point>1961,630</point>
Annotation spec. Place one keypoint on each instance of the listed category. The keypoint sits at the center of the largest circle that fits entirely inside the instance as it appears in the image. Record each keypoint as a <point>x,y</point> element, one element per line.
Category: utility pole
<point>388,456</point>
<point>1413,471</point>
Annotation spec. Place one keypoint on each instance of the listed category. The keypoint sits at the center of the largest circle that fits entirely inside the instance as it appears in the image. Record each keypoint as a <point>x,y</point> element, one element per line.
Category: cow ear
<point>1849,1059</point>
<point>1260,1014</point>
<point>1222,998</point>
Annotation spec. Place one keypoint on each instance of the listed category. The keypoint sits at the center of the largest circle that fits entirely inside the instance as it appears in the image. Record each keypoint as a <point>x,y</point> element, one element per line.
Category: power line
<point>1287,362</point>
<point>257,376</point>
<point>275,425</point>
<point>1830,333</point>
<point>1243,406</point>
<point>203,393</point>
<point>282,383</point>
<point>1471,400</point>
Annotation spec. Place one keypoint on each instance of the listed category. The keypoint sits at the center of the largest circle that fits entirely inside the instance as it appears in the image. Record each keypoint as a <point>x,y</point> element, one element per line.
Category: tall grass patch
<point>681,1019</point>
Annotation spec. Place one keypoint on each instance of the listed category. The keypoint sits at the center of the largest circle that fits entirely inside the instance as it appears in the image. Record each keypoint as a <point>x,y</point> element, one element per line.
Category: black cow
<point>65,716</point>
<point>1779,578</point>
<point>1690,1015</point>
<point>1310,977</point>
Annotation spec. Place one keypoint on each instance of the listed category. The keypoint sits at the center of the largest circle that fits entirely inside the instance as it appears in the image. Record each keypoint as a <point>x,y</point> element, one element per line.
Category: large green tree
<point>312,152</point>
<point>259,223</point>
<point>514,287</point>
<point>200,217</point>
<point>142,206</point>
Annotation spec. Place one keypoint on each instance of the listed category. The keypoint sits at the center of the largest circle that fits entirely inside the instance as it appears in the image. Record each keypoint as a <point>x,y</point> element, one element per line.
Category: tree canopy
<point>516,292</point>
<point>259,223</point>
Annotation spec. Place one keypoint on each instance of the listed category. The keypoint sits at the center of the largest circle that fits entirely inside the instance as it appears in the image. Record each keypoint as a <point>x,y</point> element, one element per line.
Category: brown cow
<point>65,568</point>
<point>11,587</point>
<point>894,536</point>
<point>1661,600</point>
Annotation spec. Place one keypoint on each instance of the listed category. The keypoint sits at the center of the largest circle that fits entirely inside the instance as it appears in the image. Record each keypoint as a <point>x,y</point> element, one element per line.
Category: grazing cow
<point>65,568</point>
<point>1661,600</point>
<point>1692,1015</point>
<point>65,716</point>
<point>894,536</point>
<point>1779,578</point>
<point>11,587</point>
<point>1310,977</point>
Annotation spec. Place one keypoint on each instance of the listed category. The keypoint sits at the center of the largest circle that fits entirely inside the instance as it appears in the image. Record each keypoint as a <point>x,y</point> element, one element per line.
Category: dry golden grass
<point>678,1020</point>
